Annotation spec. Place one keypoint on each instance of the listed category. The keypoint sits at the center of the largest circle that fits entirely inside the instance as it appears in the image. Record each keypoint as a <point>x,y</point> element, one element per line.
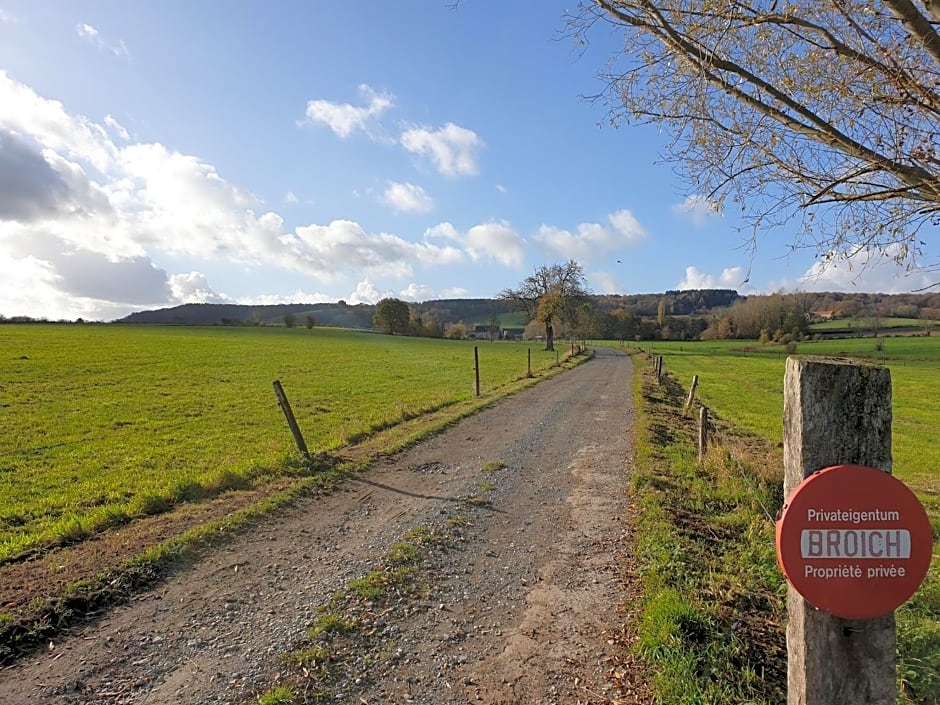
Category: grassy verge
<point>711,626</point>
<point>707,540</point>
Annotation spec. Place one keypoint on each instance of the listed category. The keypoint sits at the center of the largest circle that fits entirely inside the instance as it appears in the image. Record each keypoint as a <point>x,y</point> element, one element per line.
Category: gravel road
<point>529,608</point>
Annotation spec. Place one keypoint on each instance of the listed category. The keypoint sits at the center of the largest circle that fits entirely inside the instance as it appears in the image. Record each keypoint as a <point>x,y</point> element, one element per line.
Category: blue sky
<point>158,153</point>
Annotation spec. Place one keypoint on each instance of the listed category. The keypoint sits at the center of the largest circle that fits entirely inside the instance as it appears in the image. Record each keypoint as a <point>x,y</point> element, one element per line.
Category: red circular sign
<point>854,541</point>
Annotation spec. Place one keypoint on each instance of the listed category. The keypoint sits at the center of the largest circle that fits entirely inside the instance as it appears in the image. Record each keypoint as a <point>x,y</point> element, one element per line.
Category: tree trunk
<point>549,337</point>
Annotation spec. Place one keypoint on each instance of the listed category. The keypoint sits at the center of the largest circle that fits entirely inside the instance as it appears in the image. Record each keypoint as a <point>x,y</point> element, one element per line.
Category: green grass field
<point>103,423</point>
<point>743,383</point>
<point>891,324</point>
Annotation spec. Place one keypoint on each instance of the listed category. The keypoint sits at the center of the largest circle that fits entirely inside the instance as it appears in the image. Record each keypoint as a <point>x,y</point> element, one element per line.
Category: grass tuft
<point>278,695</point>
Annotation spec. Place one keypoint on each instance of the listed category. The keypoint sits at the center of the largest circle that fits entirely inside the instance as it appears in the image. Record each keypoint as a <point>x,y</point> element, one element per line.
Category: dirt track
<point>528,610</point>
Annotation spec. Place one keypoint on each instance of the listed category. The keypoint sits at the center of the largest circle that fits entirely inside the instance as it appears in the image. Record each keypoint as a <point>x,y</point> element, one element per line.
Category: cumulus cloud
<point>117,127</point>
<point>344,118</point>
<point>47,122</point>
<point>866,270</point>
<point>452,149</point>
<point>407,198</point>
<point>367,293</point>
<point>93,37</point>
<point>592,240</point>
<point>730,278</point>
<point>298,297</point>
<point>30,188</point>
<point>417,292</point>
<point>495,240</point>
<point>698,209</point>
<point>343,244</point>
<point>85,273</point>
<point>109,208</point>
<point>193,288</point>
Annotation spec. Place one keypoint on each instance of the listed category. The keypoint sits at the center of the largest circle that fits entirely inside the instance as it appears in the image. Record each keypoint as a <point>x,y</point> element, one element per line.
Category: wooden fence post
<point>476,370</point>
<point>530,362</point>
<point>836,412</point>
<point>702,434</point>
<point>688,402</point>
<point>289,415</point>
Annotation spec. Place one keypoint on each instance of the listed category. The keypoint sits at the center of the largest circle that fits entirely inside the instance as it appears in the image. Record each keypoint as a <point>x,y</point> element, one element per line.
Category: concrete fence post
<point>835,412</point>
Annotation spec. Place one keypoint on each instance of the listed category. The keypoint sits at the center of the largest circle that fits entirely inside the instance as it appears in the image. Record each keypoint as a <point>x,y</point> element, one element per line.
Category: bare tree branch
<point>829,108</point>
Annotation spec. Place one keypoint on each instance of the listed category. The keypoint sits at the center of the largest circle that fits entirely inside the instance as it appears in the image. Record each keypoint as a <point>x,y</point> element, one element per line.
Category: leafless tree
<point>550,293</point>
<point>825,110</point>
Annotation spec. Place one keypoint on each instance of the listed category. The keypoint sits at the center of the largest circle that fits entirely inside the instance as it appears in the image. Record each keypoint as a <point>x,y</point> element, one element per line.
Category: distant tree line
<point>673,315</point>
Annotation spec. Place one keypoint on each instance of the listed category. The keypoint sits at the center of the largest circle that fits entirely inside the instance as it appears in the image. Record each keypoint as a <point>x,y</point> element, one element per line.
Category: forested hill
<point>469,311</point>
<point>333,314</point>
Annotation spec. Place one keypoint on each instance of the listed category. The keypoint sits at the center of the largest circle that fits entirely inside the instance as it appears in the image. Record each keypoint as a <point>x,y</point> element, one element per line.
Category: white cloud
<point>47,122</point>
<point>592,240</point>
<point>6,16</point>
<point>502,189</point>
<point>298,297</point>
<point>627,227</point>
<point>86,31</point>
<point>407,198</point>
<point>495,240</point>
<point>291,197</point>
<point>698,209</point>
<point>71,200</point>
<point>456,292</point>
<point>603,283</point>
<point>417,292</point>
<point>30,187</point>
<point>866,271</point>
<point>43,276</point>
<point>452,149</point>
<point>367,293</point>
<point>344,118</point>
<point>193,288</point>
<point>93,37</point>
<point>118,128</point>
<point>730,278</point>
<point>325,250</point>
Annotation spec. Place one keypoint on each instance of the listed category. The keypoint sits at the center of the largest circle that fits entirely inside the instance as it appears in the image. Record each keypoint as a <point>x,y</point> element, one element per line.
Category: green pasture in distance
<point>743,382</point>
<point>867,323</point>
<point>105,422</point>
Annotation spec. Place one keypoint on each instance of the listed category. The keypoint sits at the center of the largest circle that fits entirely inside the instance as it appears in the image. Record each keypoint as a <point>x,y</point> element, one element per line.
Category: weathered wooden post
<point>688,402</point>
<point>530,363</point>
<point>289,415</point>
<point>702,434</point>
<point>836,412</point>
<point>476,370</point>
